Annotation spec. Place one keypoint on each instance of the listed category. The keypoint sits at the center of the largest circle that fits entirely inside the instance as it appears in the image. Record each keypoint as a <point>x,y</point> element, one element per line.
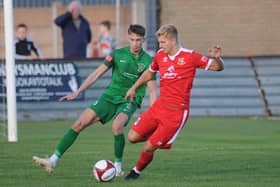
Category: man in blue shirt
<point>76,31</point>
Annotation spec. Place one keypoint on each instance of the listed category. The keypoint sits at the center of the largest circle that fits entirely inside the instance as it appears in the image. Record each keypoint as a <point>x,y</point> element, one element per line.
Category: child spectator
<point>106,42</point>
<point>24,46</point>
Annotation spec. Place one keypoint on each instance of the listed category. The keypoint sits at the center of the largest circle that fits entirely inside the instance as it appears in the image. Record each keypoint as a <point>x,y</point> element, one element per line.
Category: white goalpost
<point>10,71</point>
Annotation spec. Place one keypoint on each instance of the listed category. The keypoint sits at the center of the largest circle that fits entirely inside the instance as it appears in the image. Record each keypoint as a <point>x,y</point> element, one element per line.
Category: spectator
<point>106,42</point>
<point>25,47</point>
<point>76,31</point>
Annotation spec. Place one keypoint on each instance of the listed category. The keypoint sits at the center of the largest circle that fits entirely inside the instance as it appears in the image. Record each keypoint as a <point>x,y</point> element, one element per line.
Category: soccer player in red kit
<point>159,126</point>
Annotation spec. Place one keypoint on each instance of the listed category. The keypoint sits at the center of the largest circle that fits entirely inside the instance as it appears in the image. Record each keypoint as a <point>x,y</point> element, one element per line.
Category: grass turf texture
<point>209,152</point>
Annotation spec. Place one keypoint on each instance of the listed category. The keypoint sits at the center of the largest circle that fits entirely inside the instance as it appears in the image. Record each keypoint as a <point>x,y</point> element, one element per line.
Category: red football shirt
<point>176,75</point>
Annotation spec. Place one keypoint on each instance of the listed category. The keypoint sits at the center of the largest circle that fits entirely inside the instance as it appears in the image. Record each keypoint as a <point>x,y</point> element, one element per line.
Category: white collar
<point>176,54</point>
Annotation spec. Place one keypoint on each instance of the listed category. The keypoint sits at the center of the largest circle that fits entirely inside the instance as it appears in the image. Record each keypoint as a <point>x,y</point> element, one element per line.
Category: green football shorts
<point>107,110</point>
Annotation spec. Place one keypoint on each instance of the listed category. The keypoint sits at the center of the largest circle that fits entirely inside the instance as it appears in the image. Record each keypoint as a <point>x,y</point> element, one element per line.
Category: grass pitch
<point>209,152</point>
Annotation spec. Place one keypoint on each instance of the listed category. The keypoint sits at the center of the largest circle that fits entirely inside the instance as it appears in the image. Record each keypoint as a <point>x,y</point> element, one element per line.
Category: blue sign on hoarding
<point>42,81</point>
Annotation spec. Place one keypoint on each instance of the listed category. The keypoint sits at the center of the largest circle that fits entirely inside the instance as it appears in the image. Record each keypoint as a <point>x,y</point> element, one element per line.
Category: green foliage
<point>209,152</point>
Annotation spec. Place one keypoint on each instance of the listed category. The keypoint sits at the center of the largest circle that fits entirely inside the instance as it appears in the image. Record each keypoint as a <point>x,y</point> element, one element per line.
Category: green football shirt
<point>126,69</point>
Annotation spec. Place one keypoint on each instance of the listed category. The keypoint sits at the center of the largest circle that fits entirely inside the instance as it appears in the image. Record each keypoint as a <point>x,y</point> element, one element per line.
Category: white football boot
<point>45,163</point>
<point>118,166</point>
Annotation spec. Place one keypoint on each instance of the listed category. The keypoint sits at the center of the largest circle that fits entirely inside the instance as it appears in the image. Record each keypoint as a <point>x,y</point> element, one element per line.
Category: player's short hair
<point>21,25</point>
<point>168,31</point>
<point>106,23</point>
<point>137,29</point>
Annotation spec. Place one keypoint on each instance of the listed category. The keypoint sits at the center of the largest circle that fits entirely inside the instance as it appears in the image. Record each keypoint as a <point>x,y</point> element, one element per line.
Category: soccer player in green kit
<point>127,65</point>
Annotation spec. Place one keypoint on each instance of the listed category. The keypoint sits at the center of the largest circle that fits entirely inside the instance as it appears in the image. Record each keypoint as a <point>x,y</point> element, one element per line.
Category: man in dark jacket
<point>76,31</point>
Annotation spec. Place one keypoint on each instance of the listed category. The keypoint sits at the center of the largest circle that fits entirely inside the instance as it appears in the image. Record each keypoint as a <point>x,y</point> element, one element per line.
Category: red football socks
<point>144,160</point>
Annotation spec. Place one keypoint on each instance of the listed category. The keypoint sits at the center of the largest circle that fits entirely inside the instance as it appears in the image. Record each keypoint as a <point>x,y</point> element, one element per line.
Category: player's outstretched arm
<point>151,85</point>
<point>91,79</point>
<point>69,97</point>
<point>217,65</point>
<point>145,77</point>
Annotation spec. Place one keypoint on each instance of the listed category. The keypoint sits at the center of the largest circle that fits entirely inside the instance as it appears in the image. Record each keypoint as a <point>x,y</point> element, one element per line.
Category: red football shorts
<point>161,125</point>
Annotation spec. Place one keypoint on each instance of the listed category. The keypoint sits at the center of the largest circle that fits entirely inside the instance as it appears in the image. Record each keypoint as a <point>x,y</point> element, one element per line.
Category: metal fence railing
<point>48,3</point>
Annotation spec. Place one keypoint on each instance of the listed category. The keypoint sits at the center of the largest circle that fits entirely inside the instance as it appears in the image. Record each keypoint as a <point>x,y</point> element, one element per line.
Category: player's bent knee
<point>149,148</point>
<point>117,130</point>
<point>86,119</point>
<point>79,126</point>
<point>133,137</point>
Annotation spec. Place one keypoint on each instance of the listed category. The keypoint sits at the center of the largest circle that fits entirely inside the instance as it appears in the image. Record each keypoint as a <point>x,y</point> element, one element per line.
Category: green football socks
<point>119,147</point>
<point>65,142</point>
<point>70,136</point>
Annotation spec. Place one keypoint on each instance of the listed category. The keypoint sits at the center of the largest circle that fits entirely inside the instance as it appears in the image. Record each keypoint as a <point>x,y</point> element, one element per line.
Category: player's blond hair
<point>168,31</point>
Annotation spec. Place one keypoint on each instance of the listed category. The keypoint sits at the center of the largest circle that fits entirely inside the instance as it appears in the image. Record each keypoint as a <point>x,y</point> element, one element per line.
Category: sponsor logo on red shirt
<point>170,74</point>
<point>181,61</point>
